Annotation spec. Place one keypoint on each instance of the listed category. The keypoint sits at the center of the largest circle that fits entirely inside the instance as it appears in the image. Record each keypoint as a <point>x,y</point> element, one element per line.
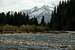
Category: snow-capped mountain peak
<point>39,12</point>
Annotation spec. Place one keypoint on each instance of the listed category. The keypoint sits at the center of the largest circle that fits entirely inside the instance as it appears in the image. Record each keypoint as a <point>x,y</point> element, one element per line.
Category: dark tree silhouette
<point>63,17</point>
<point>18,18</point>
<point>42,21</point>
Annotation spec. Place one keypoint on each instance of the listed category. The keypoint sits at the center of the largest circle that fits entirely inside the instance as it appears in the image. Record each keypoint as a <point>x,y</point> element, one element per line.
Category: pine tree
<point>42,21</point>
<point>35,22</point>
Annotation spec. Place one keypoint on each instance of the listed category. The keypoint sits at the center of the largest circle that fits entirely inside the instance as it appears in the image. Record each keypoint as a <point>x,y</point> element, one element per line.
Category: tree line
<point>18,18</point>
<point>63,16</point>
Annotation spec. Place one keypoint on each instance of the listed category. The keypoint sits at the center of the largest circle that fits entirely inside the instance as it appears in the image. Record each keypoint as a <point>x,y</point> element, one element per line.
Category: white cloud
<point>7,5</point>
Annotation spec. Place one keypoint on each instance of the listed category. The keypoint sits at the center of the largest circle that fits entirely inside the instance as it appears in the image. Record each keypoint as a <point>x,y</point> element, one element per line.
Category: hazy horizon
<point>17,5</point>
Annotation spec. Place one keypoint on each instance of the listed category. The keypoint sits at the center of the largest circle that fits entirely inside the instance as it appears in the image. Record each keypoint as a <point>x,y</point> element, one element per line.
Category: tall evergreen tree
<point>42,21</point>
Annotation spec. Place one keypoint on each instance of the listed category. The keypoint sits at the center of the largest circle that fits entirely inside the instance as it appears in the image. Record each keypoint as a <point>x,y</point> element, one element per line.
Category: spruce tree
<point>42,21</point>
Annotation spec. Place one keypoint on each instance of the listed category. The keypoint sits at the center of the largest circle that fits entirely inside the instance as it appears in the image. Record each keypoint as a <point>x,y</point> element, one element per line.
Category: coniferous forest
<point>63,16</point>
<point>17,19</point>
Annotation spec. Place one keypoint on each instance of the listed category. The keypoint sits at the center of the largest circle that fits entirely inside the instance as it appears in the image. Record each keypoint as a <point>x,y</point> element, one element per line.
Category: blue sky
<point>17,5</point>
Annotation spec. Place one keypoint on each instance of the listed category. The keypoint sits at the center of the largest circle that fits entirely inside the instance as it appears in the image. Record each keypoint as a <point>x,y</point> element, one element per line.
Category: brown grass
<point>23,29</point>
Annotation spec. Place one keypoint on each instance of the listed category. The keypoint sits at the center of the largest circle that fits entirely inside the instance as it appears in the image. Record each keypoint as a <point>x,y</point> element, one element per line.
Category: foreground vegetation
<point>23,29</point>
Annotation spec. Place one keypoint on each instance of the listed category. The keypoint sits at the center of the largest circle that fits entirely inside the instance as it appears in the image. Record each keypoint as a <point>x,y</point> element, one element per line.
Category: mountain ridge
<point>45,11</point>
